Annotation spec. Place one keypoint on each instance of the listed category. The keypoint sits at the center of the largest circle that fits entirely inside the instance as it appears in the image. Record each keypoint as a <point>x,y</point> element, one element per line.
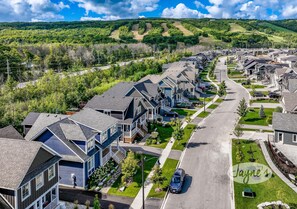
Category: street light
<point>143,159</point>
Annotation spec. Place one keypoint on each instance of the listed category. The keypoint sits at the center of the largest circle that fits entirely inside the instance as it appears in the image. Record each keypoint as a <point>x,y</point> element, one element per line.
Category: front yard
<point>180,145</point>
<point>165,133</point>
<point>272,190</point>
<point>184,112</point>
<point>133,188</point>
<point>264,101</point>
<point>168,170</point>
<point>253,117</point>
<point>254,86</point>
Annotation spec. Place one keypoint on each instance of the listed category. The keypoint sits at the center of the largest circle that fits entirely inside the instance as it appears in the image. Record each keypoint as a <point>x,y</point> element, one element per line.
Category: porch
<point>113,151</point>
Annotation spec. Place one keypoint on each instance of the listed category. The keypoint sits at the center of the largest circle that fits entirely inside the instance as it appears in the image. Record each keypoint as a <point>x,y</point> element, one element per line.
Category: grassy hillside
<point>160,32</point>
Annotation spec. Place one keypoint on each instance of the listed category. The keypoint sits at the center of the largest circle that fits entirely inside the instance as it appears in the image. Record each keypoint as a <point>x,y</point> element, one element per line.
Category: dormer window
<point>90,144</point>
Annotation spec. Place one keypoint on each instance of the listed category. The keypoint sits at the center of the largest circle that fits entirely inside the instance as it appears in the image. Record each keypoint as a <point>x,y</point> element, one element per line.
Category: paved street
<point>207,158</point>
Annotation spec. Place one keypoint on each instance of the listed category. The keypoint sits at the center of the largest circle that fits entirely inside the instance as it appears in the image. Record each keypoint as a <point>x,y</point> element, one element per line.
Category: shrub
<point>278,109</point>
<point>269,120</point>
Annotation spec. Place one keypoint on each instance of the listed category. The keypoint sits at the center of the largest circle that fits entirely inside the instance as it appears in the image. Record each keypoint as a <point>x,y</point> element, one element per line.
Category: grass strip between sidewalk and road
<point>168,170</point>
<point>180,145</point>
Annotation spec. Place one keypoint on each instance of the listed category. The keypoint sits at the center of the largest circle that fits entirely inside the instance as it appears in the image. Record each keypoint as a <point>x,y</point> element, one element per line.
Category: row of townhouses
<point>278,70</point>
<point>65,150</point>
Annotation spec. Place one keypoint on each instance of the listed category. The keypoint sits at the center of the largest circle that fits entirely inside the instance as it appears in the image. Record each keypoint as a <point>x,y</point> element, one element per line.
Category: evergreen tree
<point>96,202</point>
<point>178,132</point>
<point>238,131</point>
<point>261,112</point>
<point>242,108</point>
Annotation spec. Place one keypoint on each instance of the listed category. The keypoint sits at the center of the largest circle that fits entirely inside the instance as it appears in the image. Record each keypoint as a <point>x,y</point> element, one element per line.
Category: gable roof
<point>10,132</point>
<point>43,120</point>
<point>289,101</point>
<point>119,90</point>
<point>109,103</point>
<point>16,159</point>
<point>94,119</point>
<point>30,119</point>
<point>284,122</point>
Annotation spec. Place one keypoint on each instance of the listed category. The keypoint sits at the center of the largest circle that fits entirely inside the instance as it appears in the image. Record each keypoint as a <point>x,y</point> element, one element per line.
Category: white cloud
<point>112,9</point>
<point>31,10</point>
<point>199,4</point>
<point>289,11</point>
<point>181,11</point>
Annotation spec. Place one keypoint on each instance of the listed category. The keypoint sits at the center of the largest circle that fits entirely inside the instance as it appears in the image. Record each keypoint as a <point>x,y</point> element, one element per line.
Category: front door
<point>280,137</point>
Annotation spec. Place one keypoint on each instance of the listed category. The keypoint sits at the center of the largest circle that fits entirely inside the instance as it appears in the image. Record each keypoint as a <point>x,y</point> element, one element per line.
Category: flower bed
<point>102,174</point>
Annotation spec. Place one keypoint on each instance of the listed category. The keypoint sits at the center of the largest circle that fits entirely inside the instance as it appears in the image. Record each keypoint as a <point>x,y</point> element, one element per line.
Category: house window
<point>39,181</point>
<point>90,144</point>
<point>107,112</point>
<point>51,172</point>
<point>103,136</point>
<point>91,165</point>
<point>294,138</point>
<point>26,191</point>
<point>113,129</point>
<point>280,137</point>
<point>54,193</point>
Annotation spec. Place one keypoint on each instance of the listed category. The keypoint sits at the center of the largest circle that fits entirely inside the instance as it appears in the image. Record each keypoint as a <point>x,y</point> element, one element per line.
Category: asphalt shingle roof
<point>290,101</point>
<point>10,132</point>
<point>31,118</point>
<point>109,103</point>
<point>94,119</point>
<point>43,120</point>
<point>284,122</point>
<point>16,157</point>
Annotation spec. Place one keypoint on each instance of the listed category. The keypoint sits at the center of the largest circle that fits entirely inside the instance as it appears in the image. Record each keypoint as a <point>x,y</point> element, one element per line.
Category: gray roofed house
<point>289,102</point>
<point>119,90</point>
<point>10,132</point>
<point>109,102</point>
<point>43,120</point>
<point>20,162</point>
<point>94,119</point>
<point>285,128</point>
<point>31,118</point>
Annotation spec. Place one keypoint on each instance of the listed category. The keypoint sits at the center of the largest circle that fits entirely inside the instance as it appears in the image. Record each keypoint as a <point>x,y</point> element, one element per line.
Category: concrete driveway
<point>207,158</point>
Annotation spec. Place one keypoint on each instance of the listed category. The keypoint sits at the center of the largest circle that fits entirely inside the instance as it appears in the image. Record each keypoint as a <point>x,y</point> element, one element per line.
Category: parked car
<point>273,95</point>
<point>258,94</point>
<point>177,181</point>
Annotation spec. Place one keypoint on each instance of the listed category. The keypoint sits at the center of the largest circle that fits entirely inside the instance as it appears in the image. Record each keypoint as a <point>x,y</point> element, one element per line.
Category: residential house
<point>178,83</point>
<point>130,112</point>
<point>289,102</point>
<point>288,82</point>
<point>29,175</point>
<point>85,140</point>
<point>285,128</point>
<point>291,60</point>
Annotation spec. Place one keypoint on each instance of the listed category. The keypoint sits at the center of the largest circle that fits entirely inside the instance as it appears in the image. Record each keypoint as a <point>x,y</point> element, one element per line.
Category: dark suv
<point>177,181</point>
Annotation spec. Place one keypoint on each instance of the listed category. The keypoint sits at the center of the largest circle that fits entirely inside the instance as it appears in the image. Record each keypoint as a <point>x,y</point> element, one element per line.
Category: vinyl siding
<point>8,195</point>
<point>287,138</point>
<point>67,168</point>
<point>36,194</point>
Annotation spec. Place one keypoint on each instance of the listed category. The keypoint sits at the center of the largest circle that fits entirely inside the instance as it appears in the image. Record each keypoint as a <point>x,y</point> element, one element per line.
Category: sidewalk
<point>266,128</point>
<point>274,168</point>
<point>137,203</point>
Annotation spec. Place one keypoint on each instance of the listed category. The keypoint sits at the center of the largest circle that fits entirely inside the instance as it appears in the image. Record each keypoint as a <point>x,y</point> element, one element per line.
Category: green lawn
<point>264,101</point>
<point>180,145</point>
<point>203,114</point>
<point>134,187</point>
<point>165,134</point>
<point>219,100</point>
<point>272,190</point>
<point>184,112</point>
<point>253,118</point>
<point>213,106</point>
<point>168,170</point>
<point>255,86</point>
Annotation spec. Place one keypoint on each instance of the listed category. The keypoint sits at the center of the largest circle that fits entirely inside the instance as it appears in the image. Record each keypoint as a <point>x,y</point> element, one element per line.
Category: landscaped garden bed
<point>168,170</point>
<point>102,175</point>
<point>131,189</point>
<point>271,190</point>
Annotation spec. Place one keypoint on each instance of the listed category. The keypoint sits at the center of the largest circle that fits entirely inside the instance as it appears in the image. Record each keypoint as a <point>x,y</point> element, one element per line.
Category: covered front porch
<point>130,130</point>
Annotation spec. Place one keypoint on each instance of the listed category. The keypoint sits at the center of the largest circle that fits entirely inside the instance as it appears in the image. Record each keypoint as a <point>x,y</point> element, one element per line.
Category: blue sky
<point>80,10</point>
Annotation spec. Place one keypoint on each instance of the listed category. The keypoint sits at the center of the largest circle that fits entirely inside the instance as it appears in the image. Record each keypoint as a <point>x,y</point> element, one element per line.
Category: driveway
<point>207,158</point>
